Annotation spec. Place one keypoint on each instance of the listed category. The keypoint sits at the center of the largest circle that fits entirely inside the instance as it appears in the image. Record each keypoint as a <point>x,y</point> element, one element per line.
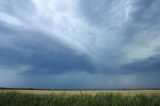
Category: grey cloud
<point>43,54</point>
<point>151,64</point>
<point>144,16</point>
<point>104,13</point>
<point>19,8</point>
<point>79,80</point>
<point>146,11</point>
<point>118,38</point>
<point>139,31</point>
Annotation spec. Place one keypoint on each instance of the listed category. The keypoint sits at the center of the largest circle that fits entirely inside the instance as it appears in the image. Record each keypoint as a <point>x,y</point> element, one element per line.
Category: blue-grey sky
<point>80,43</point>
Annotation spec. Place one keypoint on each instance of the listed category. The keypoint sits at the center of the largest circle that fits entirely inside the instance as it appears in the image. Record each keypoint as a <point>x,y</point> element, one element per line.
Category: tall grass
<point>19,99</point>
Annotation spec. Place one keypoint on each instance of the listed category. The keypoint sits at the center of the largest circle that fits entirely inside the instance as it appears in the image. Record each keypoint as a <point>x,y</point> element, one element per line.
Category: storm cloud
<point>80,43</point>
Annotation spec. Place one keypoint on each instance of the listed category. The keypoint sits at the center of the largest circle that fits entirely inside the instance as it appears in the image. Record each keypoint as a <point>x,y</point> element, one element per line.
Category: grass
<point>90,92</point>
<point>100,99</point>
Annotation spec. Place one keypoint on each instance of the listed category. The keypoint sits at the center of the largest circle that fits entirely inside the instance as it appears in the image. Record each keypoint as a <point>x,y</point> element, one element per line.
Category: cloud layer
<point>80,43</point>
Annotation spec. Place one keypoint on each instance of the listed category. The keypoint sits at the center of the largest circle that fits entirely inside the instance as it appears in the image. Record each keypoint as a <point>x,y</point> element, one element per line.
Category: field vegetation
<point>10,98</point>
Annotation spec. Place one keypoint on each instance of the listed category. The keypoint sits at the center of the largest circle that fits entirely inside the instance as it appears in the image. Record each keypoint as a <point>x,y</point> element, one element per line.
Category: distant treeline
<point>8,88</point>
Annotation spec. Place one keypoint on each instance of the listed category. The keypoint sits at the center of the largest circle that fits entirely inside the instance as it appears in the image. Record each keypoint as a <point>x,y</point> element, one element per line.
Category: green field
<point>26,98</point>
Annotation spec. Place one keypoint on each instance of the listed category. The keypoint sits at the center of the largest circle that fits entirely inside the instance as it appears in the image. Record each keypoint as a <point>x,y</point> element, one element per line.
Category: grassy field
<point>90,92</point>
<point>77,98</point>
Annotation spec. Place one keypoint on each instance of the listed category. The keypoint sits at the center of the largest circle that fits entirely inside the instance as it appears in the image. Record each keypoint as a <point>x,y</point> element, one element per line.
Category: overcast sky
<point>80,43</point>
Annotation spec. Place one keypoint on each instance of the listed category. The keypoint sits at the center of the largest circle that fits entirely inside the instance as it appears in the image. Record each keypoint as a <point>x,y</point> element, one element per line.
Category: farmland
<point>90,92</point>
<point>80,98</point>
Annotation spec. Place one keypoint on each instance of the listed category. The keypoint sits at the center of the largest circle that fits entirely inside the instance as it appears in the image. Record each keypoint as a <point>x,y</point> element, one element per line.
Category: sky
<point>75,44</point>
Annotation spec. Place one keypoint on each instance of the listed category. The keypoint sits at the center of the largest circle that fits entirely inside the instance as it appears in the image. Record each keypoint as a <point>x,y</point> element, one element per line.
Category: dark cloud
<point>151,64</point>
<point>144,16</point>
<point>89,44</point>
<point>146,11</point>
<point>43,54</point>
